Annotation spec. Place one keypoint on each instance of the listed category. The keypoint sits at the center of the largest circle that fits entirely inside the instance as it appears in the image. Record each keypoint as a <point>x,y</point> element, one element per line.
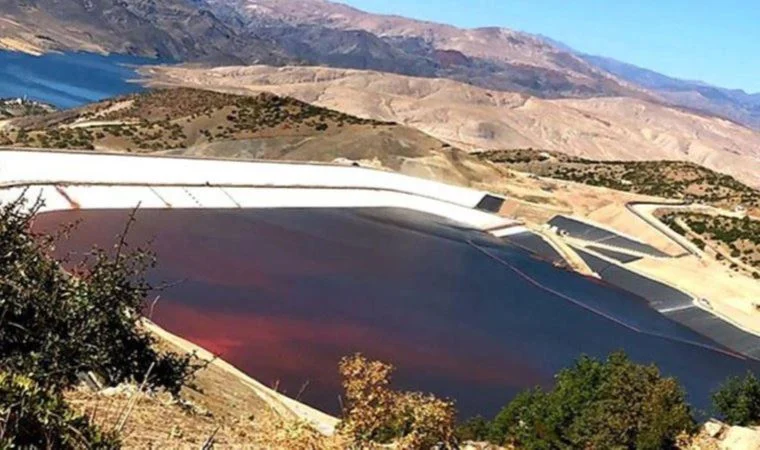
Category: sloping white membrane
<point>97,181</point>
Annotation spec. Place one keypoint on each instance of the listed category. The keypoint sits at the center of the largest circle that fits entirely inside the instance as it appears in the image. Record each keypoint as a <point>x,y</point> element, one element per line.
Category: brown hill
<point>264,126</point>
<point>473,118</point>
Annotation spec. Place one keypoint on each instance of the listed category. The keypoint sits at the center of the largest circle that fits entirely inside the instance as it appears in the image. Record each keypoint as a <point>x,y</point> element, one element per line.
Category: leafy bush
<point>377,414</point>
<point>32,417</point>
<point>596,404</point>
<point>55,324</point>
<point>738,400</point>
<point>475,429</point>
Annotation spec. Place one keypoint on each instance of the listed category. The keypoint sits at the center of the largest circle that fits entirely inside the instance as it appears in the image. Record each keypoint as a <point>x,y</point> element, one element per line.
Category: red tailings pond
<point>284,293</point>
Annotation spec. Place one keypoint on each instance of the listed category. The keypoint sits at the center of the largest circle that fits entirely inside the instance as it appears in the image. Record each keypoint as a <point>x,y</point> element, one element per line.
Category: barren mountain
<point>325,33</point>
<point>498,44</point>
<point>496,58</point>
<point>734,104</point>
<point>476,118</point>
<point>168,29</point>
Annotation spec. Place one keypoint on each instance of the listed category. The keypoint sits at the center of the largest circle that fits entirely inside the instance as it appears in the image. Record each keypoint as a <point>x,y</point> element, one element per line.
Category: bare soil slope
<point>613,128</point>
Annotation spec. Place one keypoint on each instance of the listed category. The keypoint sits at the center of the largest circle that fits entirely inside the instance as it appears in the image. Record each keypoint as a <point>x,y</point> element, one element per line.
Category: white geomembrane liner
<point>211,196</point>
<point>97,181</point>
<point>49,195</point>
<point>175,197</point>
<point>113,197</point>
<point>36,167</point>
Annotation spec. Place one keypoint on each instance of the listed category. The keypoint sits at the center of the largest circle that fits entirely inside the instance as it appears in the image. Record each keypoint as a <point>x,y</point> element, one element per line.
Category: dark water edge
<point>284,293</point>
<point>68,80</point>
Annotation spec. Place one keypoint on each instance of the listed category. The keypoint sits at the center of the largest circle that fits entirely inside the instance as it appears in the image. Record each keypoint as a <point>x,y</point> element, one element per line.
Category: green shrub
<point>475,429</point>
<point>597,404</point>
<point>737,401</point>
<point>32,417</point>
<point>55,324</point>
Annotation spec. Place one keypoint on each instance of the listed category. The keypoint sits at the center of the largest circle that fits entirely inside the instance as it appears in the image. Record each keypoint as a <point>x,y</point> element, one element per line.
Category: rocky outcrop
<point>716,435</point>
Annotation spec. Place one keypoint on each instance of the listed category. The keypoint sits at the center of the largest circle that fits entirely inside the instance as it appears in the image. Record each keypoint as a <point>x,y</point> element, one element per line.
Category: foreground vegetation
<point>667,179</point>
<point>56,326</point>
<point>595,404</point>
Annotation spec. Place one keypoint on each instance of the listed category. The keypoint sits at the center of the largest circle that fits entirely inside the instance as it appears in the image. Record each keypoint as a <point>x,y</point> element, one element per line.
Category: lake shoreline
<point>71,79</point>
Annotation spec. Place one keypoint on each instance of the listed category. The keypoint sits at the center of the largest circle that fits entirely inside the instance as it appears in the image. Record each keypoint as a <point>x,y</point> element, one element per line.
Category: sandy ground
<point>99,123</point>
<point>537,200</point>
<point>732,295</point>
<point>285,406</point>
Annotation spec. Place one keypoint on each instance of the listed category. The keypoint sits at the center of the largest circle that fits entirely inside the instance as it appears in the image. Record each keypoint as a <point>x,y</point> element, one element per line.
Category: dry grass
<point>218,408</point>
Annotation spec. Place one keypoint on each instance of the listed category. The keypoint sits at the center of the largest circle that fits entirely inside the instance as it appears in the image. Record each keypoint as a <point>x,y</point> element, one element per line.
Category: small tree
<point>474,429</point>
<point>737,401</point>
<point>598,404</point>
<point>376,414</point>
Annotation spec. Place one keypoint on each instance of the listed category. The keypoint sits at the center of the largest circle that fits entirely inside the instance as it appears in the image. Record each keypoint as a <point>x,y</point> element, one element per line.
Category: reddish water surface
<point>283,294</point>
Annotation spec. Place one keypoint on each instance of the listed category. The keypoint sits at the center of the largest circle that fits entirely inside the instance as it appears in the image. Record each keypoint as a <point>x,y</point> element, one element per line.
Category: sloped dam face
<point>284,293</point>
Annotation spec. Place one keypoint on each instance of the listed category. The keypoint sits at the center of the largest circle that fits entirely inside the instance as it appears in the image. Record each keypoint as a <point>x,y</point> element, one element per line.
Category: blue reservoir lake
<point>68,80</point>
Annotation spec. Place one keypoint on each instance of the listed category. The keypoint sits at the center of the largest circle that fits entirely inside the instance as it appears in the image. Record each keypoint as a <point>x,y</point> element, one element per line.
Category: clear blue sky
<point>709,40</point>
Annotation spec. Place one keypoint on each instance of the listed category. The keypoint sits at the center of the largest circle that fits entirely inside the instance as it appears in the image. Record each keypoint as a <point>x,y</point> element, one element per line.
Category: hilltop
<point>490,57</point>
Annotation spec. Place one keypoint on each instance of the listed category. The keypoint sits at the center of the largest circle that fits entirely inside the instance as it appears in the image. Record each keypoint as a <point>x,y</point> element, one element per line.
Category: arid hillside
<point>611,128</point>
<point>499,44</point>
<point>675,180</point>
<point>491,57</point>
<point>263,126</point>
<point>169,29</point>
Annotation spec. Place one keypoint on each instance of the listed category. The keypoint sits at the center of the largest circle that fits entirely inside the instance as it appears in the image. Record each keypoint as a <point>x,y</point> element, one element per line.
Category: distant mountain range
<point>320,32</point>
<point>734,104</point>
